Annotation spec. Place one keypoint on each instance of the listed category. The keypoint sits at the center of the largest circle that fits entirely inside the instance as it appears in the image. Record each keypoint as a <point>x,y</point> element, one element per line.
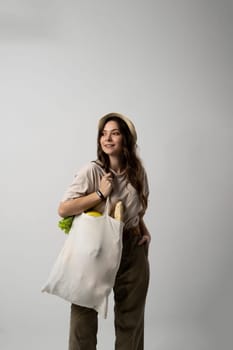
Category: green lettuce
<point>66,223</point>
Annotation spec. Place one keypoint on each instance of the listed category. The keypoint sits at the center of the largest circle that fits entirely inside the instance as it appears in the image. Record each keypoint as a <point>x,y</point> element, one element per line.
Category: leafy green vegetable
<point>66,223</point>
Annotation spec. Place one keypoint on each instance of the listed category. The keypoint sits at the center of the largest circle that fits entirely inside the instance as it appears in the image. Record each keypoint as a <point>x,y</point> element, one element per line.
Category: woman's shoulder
<point>90,168</point>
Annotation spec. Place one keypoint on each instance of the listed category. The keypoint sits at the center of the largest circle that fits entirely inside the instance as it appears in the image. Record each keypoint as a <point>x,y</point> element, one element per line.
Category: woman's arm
<point>78,205</point>
<point>146,237</point>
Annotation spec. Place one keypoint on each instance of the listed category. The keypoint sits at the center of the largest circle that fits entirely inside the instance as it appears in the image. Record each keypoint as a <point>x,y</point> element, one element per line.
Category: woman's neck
<point>116,165</point>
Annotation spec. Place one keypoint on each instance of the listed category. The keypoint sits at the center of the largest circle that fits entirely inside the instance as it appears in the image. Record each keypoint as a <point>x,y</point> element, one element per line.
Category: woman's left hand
<point>145,240</point>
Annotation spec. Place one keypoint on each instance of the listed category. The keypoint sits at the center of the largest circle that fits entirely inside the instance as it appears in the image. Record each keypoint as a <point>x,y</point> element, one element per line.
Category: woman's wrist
<point>100,194</point>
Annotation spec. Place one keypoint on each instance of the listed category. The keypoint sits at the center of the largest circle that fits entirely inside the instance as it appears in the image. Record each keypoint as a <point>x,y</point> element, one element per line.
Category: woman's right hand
<point>106,184</point>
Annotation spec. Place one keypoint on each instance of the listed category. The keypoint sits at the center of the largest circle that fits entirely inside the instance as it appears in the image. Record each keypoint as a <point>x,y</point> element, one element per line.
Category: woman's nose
<point>108,136</point>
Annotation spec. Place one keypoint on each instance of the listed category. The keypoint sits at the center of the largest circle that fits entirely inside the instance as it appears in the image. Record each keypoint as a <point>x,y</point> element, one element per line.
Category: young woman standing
<point>118,173</point>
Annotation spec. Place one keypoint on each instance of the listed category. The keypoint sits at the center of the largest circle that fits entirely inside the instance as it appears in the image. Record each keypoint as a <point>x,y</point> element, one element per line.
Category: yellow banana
<point>118,212</point>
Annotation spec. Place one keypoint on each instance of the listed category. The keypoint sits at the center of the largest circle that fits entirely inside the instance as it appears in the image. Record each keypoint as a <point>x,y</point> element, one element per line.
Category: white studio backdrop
<point>166,64</point>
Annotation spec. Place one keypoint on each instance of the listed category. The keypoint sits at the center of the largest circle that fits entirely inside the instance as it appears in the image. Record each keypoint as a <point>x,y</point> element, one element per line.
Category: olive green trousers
<point>130,292</point>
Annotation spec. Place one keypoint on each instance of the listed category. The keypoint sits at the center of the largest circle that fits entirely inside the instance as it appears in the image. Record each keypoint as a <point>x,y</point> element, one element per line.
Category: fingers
<point>144,240</point>
<point>106,184</point>
<point>108,177</point>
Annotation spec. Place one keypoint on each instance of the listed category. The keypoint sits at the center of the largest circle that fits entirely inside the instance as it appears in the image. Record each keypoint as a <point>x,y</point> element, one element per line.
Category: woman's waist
<point>131,232</point>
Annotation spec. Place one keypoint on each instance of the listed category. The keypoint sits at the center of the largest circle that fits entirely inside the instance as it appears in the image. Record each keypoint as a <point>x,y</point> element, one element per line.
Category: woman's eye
<point>114,133</point>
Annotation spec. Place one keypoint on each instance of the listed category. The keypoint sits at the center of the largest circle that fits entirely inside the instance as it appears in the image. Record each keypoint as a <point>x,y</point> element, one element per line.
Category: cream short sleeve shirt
<point>87,180</point>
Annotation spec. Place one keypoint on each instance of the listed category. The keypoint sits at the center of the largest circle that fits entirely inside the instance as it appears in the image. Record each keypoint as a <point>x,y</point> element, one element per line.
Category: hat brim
<point>124,118</point>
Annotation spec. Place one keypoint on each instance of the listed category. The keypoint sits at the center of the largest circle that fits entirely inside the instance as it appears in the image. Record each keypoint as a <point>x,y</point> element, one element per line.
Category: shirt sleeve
<point>82,184</point>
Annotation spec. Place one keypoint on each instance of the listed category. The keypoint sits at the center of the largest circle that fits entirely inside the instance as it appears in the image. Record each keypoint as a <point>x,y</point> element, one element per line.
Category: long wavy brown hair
<point>130,160</point>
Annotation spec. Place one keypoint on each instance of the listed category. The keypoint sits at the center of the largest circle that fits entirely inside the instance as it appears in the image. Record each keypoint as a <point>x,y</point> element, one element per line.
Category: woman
<point>119,174</point>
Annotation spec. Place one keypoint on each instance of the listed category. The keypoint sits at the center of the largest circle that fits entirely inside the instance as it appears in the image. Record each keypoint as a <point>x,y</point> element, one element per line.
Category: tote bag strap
<point>107,204</point>
<point>100,165</point>
<point>107,207</point>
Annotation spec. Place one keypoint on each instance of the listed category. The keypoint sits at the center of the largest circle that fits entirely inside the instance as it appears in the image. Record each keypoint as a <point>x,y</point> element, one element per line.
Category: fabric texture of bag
<point>85,270</point>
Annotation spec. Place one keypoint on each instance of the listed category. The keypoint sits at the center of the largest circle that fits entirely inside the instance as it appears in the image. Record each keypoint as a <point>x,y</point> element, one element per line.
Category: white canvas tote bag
<point>85,270</point>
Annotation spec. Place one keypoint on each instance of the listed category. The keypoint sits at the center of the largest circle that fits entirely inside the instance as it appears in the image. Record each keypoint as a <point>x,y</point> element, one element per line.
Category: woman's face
<point>111,139</point>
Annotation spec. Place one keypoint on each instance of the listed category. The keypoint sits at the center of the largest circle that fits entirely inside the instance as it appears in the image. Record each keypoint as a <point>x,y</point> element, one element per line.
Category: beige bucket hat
<point>124,118</point>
